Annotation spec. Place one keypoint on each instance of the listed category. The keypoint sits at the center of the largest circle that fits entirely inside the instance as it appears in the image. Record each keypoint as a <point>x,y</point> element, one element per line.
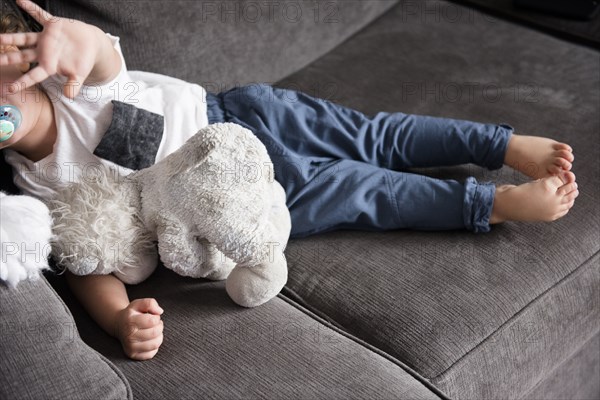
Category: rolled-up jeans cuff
<point>497,150</point>
<point>478,204</point>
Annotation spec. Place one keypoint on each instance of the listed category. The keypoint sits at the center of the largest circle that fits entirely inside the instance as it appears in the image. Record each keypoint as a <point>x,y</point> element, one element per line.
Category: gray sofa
<point>512,314</point>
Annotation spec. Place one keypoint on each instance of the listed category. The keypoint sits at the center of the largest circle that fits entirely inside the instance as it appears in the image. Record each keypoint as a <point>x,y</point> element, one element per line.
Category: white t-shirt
<point>82,122</point>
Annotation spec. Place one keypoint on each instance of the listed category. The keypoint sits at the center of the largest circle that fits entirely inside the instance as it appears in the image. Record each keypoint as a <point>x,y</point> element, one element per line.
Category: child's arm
<point>137,324</point>
<point>81,52</point>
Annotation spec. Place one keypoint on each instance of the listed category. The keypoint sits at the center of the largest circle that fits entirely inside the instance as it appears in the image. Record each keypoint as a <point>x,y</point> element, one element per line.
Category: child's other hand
<point>67,47</point>
<point>140,329</point>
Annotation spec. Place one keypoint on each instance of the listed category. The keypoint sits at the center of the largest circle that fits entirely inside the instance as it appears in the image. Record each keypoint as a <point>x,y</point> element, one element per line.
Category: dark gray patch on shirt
<point>133,137</point>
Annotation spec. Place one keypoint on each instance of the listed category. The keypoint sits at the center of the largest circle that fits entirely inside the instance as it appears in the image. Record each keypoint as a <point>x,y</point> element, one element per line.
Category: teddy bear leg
<point>146,263</point>
<point>253,286</point>
<point>215,266</point>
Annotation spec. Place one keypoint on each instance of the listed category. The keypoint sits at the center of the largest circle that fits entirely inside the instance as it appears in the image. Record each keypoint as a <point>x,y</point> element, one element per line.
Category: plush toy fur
<point>213,206</point>
<point>25,233</point>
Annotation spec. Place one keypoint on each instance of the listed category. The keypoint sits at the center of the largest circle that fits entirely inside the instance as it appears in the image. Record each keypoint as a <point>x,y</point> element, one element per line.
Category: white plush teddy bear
<point>213,206</point>
<point>25,234</point>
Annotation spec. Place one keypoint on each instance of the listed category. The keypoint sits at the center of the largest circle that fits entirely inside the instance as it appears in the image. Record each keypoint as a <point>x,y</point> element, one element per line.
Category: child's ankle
<point>498,215</point>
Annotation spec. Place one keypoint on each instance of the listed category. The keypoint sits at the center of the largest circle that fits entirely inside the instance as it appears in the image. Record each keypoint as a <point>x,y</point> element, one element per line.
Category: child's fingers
<point>72,88</point>
<point>18,57</point>
<point>147,334</point>
<point>145,321</point>
<point>36,75</point>
<point>144,356</point>
<point>147,345</point>
<point>39,14</point>
<point>19,39</point>
<point>147,305</point>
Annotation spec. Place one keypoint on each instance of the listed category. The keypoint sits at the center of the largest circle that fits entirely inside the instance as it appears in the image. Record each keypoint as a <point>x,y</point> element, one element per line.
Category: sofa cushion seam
<point>314,314</point>
<point>517,314</point>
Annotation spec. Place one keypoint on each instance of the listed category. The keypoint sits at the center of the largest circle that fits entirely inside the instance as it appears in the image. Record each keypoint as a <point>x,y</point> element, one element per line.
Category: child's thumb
<point>149,305</point>
<point>72,86</point>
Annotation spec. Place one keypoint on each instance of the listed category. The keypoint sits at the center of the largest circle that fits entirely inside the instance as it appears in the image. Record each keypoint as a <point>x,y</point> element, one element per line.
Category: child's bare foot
<point>538,157</point>
<point>545,199</point>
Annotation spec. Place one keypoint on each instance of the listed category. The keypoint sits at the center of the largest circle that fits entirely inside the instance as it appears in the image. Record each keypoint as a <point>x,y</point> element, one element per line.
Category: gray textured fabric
<point>437,301</point>
<point>219,44</point>
<point>578,377</point>
<point>450,305</point>
<point>133,137</point>
<point>527,347</point>
<point>214,348</point>
<point>43,356</point>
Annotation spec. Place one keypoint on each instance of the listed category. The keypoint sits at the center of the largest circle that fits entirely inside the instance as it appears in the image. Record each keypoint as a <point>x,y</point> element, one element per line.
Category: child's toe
<point>560,214</point>
<point>563,146</point>
<point>567,176</point>
<point>567,189</point>
<point>555,169</point>
<point>570,198</point>
<point>564,154</point>
<point>562,163</point>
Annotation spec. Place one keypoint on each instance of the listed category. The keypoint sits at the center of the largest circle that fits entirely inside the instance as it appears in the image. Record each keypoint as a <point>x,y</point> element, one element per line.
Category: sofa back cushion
<point>220,44</point>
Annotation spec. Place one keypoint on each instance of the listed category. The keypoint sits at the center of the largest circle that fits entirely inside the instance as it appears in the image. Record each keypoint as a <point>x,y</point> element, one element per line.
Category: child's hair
<point>10,23</point>
<point>12,19</point>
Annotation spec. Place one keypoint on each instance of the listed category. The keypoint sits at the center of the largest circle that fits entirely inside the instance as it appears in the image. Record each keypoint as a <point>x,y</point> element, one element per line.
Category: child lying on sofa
<point>340,168</point>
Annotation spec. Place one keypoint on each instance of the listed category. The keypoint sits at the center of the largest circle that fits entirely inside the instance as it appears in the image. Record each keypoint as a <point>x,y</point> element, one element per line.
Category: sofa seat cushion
<point>482,316</point>
<point>214,348</point>
<point>566,382</point>
<point>43,356</point>
<point>450,318</point>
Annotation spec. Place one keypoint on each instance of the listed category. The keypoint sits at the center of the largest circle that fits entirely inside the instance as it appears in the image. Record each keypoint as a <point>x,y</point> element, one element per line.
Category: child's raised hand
<point>140,329</point>
<point>66,47</point>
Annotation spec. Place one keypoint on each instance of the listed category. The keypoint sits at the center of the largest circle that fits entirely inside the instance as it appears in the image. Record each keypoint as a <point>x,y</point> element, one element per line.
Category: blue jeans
<point>342,169</point>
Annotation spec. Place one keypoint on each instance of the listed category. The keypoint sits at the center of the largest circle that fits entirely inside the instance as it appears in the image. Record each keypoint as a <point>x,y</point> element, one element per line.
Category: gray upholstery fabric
<point>448,303</point>
<point>528,346</point>
<point>220,44</point>
<point>481,316</point>
<point>43,356</point>
<point>566,382</point>
<point>215,349</point>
